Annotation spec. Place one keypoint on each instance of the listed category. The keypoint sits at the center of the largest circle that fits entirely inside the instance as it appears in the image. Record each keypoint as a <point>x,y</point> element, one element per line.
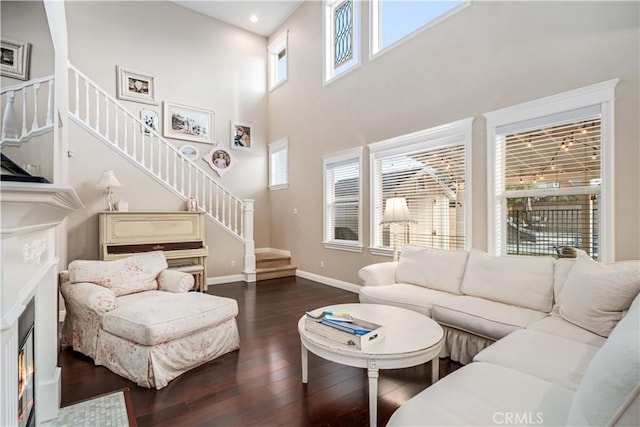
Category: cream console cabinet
<point>180,235</point>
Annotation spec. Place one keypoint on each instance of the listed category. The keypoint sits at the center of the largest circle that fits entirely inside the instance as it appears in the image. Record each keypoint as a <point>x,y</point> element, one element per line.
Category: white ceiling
<point>271,14</point>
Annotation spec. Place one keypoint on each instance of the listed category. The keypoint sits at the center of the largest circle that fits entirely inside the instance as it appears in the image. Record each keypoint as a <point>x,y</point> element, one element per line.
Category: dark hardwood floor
<point>261,383</point>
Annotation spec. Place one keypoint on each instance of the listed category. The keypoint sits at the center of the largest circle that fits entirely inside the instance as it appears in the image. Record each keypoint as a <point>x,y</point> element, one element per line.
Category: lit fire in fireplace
<point>25,381</point>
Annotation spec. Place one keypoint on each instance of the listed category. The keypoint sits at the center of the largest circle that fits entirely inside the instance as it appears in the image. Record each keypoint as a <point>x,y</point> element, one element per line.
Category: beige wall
<point>25,21</point>
<point>199,62</point>
<point>489,56</point>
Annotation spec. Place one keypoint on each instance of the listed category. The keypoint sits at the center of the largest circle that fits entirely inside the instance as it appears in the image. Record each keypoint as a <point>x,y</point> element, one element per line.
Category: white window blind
<point>342,200</point>
<point>278,164</point>
<point>552,180</point>
<point>432,180</point>
<point>431,170</point>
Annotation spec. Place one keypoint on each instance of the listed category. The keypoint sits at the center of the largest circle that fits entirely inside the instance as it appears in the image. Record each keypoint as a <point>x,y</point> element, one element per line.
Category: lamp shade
<point>108,179</point>
<point>396,211</point>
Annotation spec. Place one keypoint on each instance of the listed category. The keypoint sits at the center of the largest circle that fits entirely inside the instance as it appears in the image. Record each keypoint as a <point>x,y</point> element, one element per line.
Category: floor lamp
<point>396,213</point>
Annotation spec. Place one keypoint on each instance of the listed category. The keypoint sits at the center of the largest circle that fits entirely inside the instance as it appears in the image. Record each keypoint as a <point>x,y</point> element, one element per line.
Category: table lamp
<point>108,180</point>
<point>396,213</point>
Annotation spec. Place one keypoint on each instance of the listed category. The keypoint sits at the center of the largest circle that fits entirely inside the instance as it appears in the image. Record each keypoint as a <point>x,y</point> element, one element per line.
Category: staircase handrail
<point>14,131</point>
<point>239,202</point>
<point>28,83</point>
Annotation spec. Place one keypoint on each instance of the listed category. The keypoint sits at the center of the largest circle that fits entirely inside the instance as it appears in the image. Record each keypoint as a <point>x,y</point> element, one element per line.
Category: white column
<point>249,244</point>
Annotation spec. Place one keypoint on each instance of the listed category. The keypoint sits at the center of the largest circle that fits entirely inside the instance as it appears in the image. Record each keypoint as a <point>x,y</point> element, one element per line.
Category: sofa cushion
<point>432,268</point>
<point>608,393</point>
<point>560,273</point>
<point>403,295</point>
<point>518,280</point>
<point>556,325</point>
<point>478,316</point>
<point>485,394</point>
<point>595,294</point>
<point>548,357</point>
<point>154,317</point>
<point>124,276</point>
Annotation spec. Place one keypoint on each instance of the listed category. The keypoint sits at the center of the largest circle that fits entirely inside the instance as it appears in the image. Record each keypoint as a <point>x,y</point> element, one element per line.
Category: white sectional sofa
<point>562,356</point>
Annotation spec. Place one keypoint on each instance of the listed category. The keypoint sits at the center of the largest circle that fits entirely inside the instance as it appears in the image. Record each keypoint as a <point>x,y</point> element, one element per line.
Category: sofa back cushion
<point>124,276</point>
<point>432,268</point>
<point>595,295</point>
<point>560,273</point>
<point>608,393</point>
<point>522,281</point>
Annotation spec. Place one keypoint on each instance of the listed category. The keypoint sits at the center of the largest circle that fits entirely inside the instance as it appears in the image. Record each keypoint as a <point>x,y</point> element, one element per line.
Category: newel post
<point>249,245</point>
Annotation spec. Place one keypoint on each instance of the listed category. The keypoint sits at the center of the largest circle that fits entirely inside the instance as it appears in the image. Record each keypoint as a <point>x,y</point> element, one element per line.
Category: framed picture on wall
<point>14,59</point>
<point>189,152</point>
<point>137,86</point>
<point>220,160</point>
<point>188,123</point>
<point>151,120</point>
<point>241,136</point>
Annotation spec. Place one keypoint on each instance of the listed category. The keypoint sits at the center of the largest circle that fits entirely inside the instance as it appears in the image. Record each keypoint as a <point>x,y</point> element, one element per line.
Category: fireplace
<point>29,374</point>
<point>26,367</point>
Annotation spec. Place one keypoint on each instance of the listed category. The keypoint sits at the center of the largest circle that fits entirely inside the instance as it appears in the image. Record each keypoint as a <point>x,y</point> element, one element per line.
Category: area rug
<point>108,410</point>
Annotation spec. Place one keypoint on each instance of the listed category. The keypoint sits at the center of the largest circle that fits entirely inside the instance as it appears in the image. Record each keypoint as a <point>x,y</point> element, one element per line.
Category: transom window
<point>341,34</point>
<point>278,59</point>
<point>342,200</point>
<point>549,182</point>
<point>394,20</point>
<point>430,170</point>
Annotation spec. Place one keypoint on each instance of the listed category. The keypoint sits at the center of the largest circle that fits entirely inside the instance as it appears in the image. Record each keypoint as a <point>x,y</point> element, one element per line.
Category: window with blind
<point>430,170</point>
<point>278,164</point>
<point>549,173</point>
<point>342,200</point>
<point>341,35</point>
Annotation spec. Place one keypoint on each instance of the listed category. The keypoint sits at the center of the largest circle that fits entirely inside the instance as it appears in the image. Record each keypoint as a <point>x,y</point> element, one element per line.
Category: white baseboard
<point>351,287</point>
<point>272,250</point>
<point>219,280</point>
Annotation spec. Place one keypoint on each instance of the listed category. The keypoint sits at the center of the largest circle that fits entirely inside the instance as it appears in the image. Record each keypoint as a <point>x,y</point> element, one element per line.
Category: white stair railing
<point>103,116</point>
<point>34,102</point>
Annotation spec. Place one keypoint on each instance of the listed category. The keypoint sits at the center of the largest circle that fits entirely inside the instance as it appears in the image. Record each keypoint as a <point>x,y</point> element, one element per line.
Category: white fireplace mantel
<point>29,214</point>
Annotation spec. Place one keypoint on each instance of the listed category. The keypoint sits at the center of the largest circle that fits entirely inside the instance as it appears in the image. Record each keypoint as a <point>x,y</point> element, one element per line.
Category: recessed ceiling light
<point>253,18</point>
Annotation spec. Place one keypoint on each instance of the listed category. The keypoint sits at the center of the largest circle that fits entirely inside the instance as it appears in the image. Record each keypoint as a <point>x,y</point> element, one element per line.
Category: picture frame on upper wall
<point>241,136</point>
<point>136,86</point>
<point>220,159</point>
<point>188,123</point>
<point>150,120</point>
<point>15,58</point>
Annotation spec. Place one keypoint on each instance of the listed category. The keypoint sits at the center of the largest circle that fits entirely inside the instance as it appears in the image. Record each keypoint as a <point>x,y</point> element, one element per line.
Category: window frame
<point>450,134</point>
<point>277,45</point>
<point>602,94</point>
<point>330,159</point>
<point>330,71</point>
<point>375,49</point>
<point>274,148</point>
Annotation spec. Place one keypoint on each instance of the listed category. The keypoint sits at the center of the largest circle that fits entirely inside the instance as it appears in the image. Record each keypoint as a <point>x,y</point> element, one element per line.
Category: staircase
<point>33,101</point>
<point>93,109</point>
<point>270,265</point>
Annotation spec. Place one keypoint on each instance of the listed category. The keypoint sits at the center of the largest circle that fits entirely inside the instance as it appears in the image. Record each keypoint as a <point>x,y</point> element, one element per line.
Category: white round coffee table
<point>410,339</point>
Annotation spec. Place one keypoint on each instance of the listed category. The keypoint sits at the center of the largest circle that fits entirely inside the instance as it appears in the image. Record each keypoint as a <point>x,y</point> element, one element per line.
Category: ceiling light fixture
<point>253,18</point>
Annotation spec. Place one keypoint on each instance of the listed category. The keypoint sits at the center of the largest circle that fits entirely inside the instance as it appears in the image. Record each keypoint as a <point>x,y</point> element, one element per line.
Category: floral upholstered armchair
<point>139,319</point>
